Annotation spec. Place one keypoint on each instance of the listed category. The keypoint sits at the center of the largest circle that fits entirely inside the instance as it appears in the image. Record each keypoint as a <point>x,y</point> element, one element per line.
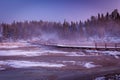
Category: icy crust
<point>26,64</point>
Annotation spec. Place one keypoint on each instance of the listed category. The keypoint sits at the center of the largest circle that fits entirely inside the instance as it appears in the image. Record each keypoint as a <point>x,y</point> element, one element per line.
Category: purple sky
<point>54,10</point>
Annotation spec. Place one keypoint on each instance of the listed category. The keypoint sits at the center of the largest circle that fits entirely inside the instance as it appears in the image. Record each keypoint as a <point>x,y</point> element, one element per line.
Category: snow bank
<point>26,64</point>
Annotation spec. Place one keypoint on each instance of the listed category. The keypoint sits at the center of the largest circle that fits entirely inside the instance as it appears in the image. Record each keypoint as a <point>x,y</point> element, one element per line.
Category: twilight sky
<point>54,10</point>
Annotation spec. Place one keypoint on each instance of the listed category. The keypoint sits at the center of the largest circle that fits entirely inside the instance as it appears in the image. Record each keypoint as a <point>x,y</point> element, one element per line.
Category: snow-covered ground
<point>40,52</point>
<point>16,52</point>
<point>26,64</point>
<point>28,57</point>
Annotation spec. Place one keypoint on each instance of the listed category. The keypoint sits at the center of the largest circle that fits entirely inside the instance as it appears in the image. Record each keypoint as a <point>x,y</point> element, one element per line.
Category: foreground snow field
<point>50,59</point>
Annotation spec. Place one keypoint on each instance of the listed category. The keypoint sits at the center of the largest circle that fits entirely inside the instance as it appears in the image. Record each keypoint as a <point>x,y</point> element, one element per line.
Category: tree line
<point>100,27</point>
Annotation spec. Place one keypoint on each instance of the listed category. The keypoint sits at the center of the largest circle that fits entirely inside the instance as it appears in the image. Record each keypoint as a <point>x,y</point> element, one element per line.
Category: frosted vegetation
<point>104,27</point>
